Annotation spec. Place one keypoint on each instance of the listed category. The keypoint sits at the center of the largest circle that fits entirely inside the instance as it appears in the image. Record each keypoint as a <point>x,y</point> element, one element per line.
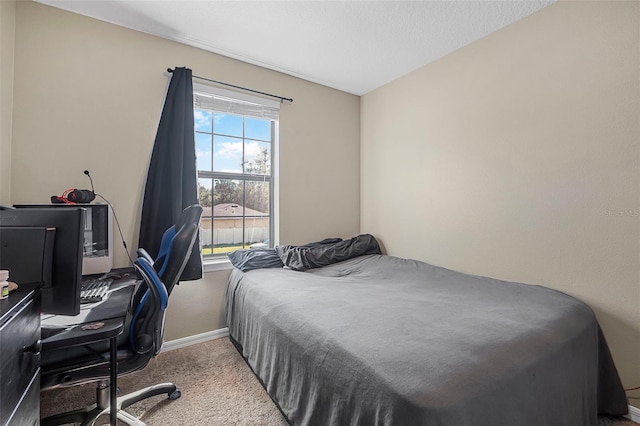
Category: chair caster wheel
<point>175,394</point>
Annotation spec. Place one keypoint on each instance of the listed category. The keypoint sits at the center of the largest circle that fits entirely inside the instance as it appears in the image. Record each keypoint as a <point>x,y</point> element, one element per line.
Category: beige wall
<point>518,157</point>
<point>88,95</point>
<point>7,42</point>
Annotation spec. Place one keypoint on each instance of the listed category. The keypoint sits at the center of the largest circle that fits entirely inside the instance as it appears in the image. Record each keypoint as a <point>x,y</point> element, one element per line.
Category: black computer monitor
<point>27,253</point>
<point>62,296</point>
<point>98,235</point>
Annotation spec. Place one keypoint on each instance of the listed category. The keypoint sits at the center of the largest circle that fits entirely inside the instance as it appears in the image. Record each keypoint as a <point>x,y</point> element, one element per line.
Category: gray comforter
<point>379,340</point>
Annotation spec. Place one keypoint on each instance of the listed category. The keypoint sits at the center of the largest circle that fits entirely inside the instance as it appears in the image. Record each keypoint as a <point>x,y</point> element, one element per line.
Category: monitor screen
<point>63,295</point>
<point>98,239</point>
<point>98,235</point>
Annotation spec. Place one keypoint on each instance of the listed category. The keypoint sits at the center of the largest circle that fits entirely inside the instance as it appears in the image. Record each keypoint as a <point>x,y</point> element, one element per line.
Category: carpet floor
<point>218,388</point>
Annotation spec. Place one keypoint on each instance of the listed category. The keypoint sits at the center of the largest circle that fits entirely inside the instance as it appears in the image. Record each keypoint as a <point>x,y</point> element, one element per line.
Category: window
<point>236,137</point>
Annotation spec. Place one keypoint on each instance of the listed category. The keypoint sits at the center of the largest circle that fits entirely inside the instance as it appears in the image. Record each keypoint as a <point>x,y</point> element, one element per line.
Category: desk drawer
<point>28,412</point>
<point>17,367</point>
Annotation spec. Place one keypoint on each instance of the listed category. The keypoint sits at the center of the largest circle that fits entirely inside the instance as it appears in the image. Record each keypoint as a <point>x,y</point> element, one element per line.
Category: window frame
<point>220,260</point>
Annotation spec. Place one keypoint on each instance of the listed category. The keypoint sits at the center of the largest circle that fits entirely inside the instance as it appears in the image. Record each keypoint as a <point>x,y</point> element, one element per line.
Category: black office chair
<point>141,340</point>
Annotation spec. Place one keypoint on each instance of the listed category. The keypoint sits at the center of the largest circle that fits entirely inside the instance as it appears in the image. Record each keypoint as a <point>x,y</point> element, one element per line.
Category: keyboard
<point>93,289</point>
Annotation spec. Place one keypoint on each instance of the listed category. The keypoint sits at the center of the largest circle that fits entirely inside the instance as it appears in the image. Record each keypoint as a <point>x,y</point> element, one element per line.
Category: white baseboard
<point>192,340</point>
<point>634,414</point>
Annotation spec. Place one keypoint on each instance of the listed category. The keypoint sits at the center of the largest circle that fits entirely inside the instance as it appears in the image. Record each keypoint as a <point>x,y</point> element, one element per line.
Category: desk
<point>96,322</point>
<point>20,357</point>
<point>115,305</point>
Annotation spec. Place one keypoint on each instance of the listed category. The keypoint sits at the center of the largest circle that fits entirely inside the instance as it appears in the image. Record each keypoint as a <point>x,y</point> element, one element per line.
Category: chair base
<point>89,416</point>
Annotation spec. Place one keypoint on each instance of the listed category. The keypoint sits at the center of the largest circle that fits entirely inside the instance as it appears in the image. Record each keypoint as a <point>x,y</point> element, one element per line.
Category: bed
<point>380,340</point>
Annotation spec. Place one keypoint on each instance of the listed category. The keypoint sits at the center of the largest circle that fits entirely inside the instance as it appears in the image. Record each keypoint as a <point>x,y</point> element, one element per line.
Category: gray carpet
<point>218,388</point>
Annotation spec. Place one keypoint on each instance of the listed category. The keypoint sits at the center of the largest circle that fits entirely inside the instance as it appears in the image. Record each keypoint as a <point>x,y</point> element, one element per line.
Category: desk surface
<point>115,304</point>
<point>96,321</point>
<point>12,303</point>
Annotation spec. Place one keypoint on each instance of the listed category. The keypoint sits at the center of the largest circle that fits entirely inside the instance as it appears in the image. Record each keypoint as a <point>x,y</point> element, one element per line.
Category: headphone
<point>75,196</point>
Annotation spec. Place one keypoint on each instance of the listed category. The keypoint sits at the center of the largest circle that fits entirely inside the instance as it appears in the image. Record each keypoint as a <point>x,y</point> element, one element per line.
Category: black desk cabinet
<point>20,357</point>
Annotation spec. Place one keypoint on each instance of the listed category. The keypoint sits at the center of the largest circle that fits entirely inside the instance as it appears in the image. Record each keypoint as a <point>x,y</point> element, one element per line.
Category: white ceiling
<point>355,46</point>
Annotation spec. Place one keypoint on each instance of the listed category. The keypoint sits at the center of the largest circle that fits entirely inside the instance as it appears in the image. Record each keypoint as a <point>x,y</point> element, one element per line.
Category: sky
<point>227,140</point>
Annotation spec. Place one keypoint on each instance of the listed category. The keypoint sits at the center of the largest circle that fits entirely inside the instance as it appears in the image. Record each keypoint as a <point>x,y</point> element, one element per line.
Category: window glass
<point>203,151</point>
<point>205,196</point>
<point>228,124</point>
<point>257,196</point>
<point>202,120</point>
<point>257,158</point>
<point>235,187</point>
<point>227,198</point>
<point>227,154</point>
<point>255,128</point>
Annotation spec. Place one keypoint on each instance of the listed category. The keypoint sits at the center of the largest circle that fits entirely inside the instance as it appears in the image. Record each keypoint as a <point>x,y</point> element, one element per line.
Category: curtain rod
<point>282,99</point>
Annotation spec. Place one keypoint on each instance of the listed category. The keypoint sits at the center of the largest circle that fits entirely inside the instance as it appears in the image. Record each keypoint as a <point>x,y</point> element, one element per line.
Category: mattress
<point>380,340</point>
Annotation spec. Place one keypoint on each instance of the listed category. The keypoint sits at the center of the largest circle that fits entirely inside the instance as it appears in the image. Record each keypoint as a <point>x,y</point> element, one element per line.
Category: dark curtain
<point>171,181</point>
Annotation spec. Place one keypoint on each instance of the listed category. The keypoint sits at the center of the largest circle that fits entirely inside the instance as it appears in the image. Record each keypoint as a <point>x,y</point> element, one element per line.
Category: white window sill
<point>220,264</point>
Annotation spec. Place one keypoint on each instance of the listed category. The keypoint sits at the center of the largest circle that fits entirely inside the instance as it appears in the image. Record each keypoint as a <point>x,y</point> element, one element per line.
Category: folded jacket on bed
<point>301,258</point>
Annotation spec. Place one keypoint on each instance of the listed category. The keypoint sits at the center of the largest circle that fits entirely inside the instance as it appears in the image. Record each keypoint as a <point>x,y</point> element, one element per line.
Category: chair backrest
<point>160,276</point>
<point>190,215</point>
<point>170,270</point>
